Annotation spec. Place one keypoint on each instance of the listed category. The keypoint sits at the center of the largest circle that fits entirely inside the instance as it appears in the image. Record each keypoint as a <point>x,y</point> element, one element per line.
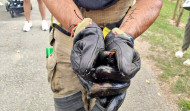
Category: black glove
<point>103,89</point>
<point>88,41</point>
<point>106,79</point>
<point>128,60</point>
<point>107,73</point>
<point>110,103</point>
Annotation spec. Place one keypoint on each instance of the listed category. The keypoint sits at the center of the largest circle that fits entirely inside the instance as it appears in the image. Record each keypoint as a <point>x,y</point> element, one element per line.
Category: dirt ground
<point>143,47</point>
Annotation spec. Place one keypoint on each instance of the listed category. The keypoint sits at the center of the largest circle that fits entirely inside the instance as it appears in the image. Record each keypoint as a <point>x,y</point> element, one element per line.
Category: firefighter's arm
<point>65,11</point>
<point>141,16</point>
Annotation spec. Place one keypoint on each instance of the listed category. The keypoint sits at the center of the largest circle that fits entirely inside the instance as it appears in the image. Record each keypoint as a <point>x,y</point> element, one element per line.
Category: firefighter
<point>80,39</point>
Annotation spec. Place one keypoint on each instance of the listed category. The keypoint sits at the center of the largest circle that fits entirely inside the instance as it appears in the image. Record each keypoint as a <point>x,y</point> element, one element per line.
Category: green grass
<point>184,105</point>
<point>166,39</point>
<point>182,85</point>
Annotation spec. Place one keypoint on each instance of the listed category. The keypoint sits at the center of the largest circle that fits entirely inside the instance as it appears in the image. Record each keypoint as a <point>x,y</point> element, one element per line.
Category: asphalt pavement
<point>23,76</point>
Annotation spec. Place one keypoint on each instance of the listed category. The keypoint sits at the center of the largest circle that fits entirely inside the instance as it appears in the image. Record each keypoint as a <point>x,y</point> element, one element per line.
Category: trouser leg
<point>64,83</point>
<point>70,103</point>
<point>186,39</point>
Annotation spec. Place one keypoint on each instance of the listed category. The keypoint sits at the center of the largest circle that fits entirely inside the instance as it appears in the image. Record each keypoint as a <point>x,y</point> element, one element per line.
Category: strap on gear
<point>105,29</point>
<point>109,27</point>
<point>58,26</point>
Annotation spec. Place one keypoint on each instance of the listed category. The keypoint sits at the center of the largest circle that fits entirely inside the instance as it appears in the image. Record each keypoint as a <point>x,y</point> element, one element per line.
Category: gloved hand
<point>88,42</point>
<point>128,60</point>
<point>103,89</point>
<point>107,80</point>
<point>110,103</point>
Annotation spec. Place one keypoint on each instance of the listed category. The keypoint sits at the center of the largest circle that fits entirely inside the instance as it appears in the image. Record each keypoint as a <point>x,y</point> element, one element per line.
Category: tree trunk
<point>176,7</point>
<point>180,14</point>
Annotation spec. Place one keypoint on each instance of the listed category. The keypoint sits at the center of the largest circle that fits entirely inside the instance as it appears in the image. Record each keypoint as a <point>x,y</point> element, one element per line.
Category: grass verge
<point>184,105</point>
<point>166,39</point>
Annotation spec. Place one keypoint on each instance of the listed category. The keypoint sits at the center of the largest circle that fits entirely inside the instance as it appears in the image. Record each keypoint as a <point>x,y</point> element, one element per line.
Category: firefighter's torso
<point>108,15</point>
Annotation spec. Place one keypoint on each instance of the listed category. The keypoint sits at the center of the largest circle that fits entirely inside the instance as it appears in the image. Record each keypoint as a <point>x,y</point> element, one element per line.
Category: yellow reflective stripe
<point>58,23</point>
<point>106,31</point>
<point>52,21</point>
